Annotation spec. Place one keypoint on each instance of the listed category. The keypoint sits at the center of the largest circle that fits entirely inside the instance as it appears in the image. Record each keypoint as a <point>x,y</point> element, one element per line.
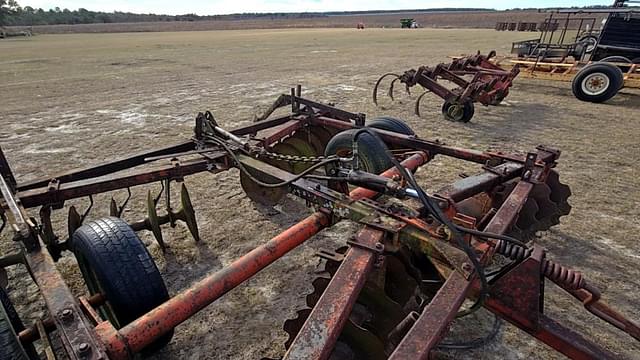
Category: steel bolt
<point>84,348</point>
<point>67,314</point>
<point>466,267</point>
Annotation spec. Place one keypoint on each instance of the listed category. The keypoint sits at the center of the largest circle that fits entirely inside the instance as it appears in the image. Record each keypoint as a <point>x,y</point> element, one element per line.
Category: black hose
<point>475,343</point>
<point>486,235</point>
<point>435,211</point>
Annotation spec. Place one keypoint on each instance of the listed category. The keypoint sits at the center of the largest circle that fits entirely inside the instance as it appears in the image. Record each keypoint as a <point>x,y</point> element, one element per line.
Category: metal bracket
<point>529,166</point>
<point>114,209</point>
<point>378,248</point>
<point>329,255</point>
<point>389,225</point>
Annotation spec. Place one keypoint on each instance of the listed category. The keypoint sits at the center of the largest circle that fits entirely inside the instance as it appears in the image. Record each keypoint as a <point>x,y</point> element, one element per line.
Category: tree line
<point>12,14</point>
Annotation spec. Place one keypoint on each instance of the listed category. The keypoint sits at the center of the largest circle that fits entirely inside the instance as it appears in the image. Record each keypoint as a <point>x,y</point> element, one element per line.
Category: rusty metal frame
<point>489,84</point>
<point>385,229</point>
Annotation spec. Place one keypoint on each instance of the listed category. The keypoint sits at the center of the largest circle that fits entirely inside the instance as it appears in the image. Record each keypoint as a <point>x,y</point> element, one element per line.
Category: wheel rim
<point>455,111</point>
<point>595,84</point>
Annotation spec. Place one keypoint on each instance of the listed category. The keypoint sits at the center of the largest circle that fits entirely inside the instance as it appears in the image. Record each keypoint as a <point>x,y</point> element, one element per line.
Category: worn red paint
<point>320,332</point>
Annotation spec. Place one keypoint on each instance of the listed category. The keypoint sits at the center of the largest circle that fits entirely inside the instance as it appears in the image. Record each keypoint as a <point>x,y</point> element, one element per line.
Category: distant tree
<point>7,8</point>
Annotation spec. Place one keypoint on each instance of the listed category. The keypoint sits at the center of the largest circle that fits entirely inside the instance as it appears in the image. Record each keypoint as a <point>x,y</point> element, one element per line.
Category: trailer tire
<point>114,261</point>
<point>391,124</point>
<point>597,82</point>
<point>10,344</point>
<point>372,154</point>
<point>455,111</point>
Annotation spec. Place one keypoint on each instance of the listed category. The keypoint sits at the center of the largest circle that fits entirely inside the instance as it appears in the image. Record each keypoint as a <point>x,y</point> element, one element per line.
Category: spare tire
<point>391,124</point>
<point>619,60</point>
<point>372,154</point>
<point>10,324</point>
<point>114,262</point>
<point>597,82</point>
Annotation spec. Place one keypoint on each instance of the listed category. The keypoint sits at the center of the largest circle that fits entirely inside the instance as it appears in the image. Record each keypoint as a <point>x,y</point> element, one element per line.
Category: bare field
<point>444,19</point>
<point>73,100</point>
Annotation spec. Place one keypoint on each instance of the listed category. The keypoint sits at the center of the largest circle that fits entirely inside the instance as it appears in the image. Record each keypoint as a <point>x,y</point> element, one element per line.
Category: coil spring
<point>512,251</point>
<point>557,273</point>
<point>562,275</point>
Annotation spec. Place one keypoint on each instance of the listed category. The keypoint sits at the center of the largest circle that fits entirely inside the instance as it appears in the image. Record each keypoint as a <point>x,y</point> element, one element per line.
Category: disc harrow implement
<point>390,290</point>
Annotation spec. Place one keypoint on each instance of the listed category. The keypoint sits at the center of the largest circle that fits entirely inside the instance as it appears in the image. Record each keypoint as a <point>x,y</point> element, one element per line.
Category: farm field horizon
<point>435,19</point>
<point>74,100</point>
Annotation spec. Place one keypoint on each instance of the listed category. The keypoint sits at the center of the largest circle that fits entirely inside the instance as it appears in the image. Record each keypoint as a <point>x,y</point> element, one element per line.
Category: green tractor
<point>409,24</point>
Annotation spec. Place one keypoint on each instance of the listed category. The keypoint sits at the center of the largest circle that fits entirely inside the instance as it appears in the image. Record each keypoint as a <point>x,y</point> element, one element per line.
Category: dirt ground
<point>73,100</point>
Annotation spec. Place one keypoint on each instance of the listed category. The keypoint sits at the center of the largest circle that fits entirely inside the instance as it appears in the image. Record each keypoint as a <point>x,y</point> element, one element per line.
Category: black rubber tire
<point>464,116</point>
<point>372,154</point>
<point>10,346</point>
<point>613,74</point>
<point>391,124</point>
<point>115,262</point>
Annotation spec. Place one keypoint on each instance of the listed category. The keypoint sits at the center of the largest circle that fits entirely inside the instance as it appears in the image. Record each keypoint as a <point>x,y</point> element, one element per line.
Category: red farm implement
<point>390,292</point>
<point>475,79</point>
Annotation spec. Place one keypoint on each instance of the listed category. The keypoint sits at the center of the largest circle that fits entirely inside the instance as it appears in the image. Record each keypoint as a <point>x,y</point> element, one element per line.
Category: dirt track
<point>74,100</point>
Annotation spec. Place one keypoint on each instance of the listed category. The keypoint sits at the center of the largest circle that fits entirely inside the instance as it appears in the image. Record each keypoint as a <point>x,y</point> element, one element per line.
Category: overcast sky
<point>212,7</point>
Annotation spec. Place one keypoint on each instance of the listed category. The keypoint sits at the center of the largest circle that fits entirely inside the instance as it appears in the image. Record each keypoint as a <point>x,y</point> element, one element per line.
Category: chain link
<point>294,158</point>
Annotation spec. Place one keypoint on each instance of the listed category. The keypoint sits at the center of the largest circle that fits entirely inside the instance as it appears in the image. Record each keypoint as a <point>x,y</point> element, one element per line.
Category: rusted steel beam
<point>79,338</point>
<point>568,342</point>
<point>43,196</point>
<point>431,84</point>
<point>511,207</point>
<point>343,115</point>
<point>132,161</point>
<point>32,334</point>
<point>165,317</point>
<point>590,298</point>
<point>276,133</point>
<point>107,168</point>
<point>517,298</point>
<point>261,125</point>
<point>320,332</point>
<point>410,141</point>
<point>472,185</point>
<point>434,320</point>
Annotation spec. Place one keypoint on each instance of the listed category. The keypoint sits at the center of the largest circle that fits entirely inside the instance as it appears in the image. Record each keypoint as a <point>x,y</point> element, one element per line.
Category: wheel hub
<point>595,84</point>
<point>455,111</point>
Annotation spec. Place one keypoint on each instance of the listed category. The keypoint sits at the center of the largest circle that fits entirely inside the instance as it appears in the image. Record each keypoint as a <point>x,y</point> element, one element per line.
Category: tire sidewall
<point>613,74</point>
<point>371,153</point>
<point>95,268</point>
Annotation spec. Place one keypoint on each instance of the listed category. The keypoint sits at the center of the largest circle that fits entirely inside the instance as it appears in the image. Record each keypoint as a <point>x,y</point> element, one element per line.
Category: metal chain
<point>294,158</point>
